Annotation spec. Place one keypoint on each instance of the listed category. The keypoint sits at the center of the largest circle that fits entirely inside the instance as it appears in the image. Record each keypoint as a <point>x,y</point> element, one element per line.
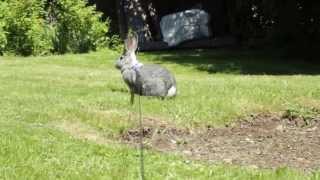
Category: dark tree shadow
<point>239,62</point>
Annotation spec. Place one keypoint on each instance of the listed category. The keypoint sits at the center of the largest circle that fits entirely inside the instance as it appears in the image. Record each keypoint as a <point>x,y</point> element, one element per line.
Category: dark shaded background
<point>291,25</point>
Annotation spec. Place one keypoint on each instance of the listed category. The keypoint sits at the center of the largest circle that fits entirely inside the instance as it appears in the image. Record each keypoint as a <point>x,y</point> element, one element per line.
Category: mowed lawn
<point>49,106</point>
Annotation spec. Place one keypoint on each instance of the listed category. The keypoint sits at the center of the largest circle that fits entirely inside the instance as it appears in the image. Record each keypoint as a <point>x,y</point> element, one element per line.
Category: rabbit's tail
<point>172,91</point>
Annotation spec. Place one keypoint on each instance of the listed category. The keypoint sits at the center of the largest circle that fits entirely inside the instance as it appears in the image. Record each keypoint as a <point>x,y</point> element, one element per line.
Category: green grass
<point>40,94</point>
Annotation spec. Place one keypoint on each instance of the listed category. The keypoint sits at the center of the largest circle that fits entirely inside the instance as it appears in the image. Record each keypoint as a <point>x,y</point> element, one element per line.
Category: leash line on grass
<point>141,141</point>
<point>141,146</point>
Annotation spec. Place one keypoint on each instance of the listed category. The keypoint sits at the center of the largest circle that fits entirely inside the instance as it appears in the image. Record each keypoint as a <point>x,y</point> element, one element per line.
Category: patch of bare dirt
<point>262,141</point>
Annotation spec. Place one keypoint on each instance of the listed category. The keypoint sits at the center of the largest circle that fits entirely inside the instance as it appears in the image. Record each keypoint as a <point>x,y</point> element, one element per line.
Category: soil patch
<point>262,141</point>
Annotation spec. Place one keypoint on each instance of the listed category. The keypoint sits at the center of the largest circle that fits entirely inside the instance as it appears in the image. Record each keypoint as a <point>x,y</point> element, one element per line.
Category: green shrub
<point>78,27</point>
<point>3,37</point>
<point>25,27</point>
<point>37,27</point>
<point>115,43</point>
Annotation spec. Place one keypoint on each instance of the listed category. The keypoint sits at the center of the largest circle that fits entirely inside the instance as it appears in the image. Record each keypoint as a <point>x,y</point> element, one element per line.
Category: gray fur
<point>146,80</point>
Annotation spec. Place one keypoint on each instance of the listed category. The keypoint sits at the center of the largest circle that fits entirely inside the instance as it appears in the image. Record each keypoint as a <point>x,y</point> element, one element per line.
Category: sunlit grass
<point>39,151</point>
<point>39,93</point>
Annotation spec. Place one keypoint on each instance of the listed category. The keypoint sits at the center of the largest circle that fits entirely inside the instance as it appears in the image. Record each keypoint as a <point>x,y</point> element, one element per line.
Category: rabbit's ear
<point>131,43</point>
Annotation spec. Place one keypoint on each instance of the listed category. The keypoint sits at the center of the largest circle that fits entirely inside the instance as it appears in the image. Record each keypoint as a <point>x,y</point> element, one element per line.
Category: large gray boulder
<point>184,26</point>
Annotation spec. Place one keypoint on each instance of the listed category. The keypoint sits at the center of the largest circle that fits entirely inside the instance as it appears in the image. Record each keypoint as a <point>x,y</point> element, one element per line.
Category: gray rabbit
<point>145,80</point>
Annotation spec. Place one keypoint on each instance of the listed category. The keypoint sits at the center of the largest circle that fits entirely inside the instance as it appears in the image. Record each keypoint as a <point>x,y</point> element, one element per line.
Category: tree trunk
<point>122,20</point>
<point>153,20</point>
<point>287,26</point>
<point>137,19</point>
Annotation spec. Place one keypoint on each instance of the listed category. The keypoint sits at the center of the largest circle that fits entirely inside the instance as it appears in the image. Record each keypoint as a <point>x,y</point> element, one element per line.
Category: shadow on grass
<point>239,62</point>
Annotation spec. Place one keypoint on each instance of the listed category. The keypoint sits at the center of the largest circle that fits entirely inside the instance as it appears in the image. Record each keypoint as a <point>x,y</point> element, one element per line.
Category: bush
<point>115,43</point>
<point>78,27</point>
<point>25,28</point>
<point>3,37</point>
<point>37,27</point>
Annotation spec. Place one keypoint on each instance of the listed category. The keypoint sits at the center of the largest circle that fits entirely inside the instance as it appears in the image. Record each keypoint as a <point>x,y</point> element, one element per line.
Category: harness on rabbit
<point>137,66</point>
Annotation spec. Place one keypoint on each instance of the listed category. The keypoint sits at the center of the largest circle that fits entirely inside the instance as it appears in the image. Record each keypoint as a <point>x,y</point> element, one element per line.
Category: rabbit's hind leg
<point>131,98</point>
<point>131,105</point>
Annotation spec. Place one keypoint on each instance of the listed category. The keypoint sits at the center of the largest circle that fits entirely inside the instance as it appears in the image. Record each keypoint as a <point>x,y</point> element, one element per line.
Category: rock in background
<point>186,25</point>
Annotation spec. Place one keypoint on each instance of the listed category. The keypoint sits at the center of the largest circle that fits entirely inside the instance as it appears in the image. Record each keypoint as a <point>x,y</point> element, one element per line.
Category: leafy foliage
<point>115,43</point>
<point>3,38</point>
<point>77,27</point>
<point>24,28</point>
<point>37,27</point>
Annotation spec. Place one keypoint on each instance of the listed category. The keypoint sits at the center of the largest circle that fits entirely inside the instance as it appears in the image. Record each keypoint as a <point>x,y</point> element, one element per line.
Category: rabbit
<point>144,80</point>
